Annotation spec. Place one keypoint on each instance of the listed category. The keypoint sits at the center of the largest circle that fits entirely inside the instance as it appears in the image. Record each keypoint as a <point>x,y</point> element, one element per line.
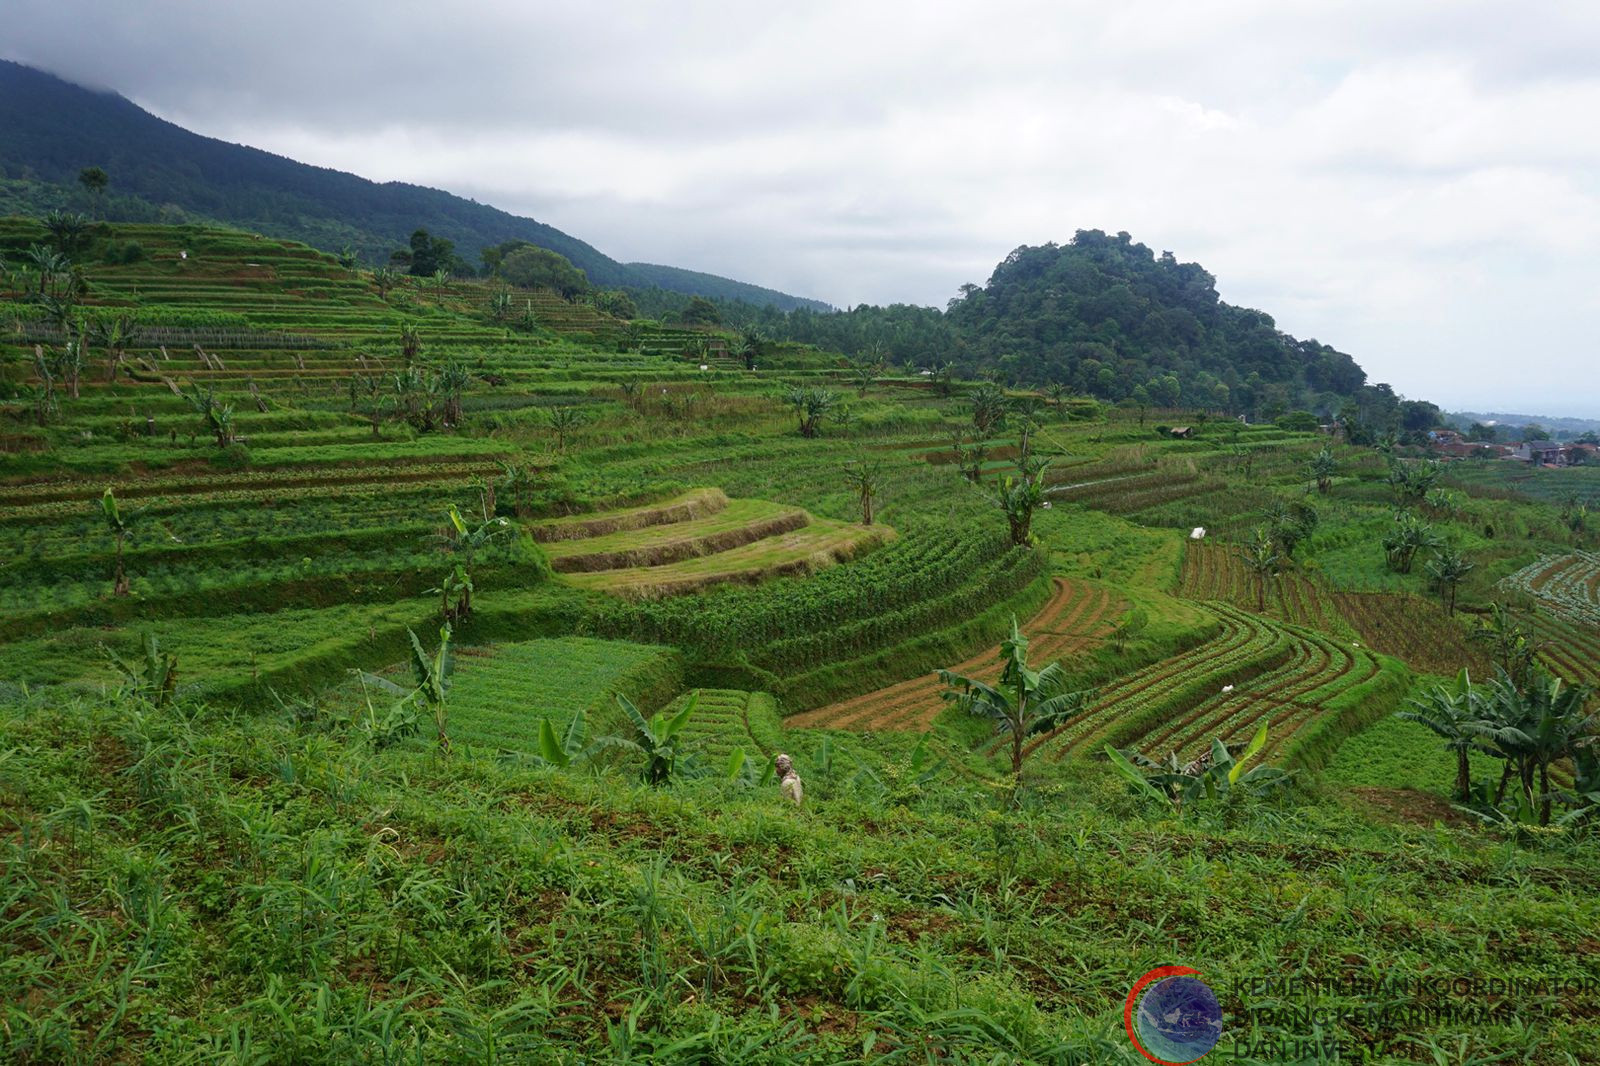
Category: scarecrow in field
<point>789,781</point>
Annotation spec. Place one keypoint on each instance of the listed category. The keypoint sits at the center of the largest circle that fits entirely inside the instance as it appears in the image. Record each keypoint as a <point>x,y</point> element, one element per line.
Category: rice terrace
<point>407,660</point>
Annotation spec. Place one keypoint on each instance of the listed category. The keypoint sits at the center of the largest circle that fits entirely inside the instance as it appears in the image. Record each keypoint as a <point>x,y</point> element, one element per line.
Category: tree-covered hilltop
<point>1108,317</point>
<point>51,130</point>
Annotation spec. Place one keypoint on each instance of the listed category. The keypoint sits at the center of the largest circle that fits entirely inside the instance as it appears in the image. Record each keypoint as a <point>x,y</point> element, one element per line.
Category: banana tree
<point>114,335</point>
<point>1537,725</point>
<point>464,542</point>
<point>453,381</point>
<point>515,481</point>
<point>1023,702</point>
<point>864,479</point>
<point>1019,497</point>
<point>1452,712</point>
<point>218,416</point>
<point>1510,646</point>
<point>1447,568</point>
<point>152,679</point>
<point>385,279</point>
<point>747,347</point>
<point>410,342</point>
<point>659,740</point>
<point>1409,536</point>
<point>563,419</point>
<point>1323,467</point>
<point>1261,558</point>
<point>1213,776</point>
<point>430,675</point>
<point>570,748</point>
<point>69,361</point>
<point>866,374</point>
<point>51,266</point>
<point>989,409</point>
<point>44,393</point>
<point>811,406</point>
<point>121,527</point>
<point>69,231</point>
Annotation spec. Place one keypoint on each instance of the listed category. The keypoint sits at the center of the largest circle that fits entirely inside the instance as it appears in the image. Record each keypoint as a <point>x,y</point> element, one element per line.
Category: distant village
<point>1450,443</point>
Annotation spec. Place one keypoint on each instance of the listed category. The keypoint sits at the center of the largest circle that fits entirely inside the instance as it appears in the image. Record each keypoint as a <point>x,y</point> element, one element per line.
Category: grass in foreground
<point>184,886</point>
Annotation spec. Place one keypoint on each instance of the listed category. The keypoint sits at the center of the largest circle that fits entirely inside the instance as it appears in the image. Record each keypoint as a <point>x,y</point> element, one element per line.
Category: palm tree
<point>1023,702</point>
<point>68,231</point>
<point>1323,468</point>
<point>1447,568</point>
<point>121,526</point>
<point>1261,559</point>
<point>863,478</point>
<point>94,181</point>
<point>1454,712</point>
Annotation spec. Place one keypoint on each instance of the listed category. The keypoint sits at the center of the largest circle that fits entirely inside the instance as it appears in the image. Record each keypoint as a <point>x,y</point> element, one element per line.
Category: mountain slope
<point>53,128</point>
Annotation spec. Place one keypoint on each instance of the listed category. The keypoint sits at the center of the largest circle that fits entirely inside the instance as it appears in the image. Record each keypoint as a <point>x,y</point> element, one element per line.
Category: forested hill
<point>51,129</point>
<point>1111,318</point>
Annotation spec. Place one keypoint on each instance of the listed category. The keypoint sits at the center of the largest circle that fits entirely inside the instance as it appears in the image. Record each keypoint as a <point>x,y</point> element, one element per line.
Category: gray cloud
<point>1414,182</point>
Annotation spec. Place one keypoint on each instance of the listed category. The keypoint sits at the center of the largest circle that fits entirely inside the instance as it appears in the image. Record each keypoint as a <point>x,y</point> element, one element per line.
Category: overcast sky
<point>1413,182</point>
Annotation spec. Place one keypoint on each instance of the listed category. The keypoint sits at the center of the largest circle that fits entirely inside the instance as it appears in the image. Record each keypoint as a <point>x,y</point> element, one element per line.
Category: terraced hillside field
<point>725,719</point>
<point>1078,616</point>
<point>1566,591</point>
<point>1214,570</point>
<point>1568,647</point>
<point>1413,628</point>
<point>1568,585</point>
<point>500,692</point>
<point>1252,668</point>
<point>699,540</point>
